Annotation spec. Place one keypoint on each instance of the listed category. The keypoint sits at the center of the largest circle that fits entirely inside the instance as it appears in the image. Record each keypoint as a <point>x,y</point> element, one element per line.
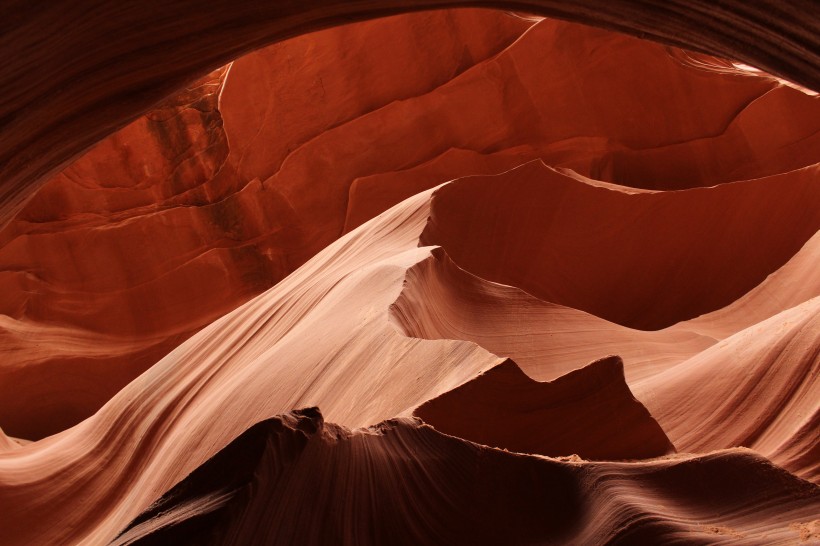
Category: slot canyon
<point>387,272</point>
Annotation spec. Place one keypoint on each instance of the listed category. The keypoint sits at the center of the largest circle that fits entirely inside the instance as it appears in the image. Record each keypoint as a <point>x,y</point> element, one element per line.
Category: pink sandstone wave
<point>448,277</point>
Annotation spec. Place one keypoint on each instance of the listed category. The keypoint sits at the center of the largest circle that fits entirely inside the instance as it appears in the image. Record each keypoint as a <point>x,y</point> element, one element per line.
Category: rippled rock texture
<point>448,277</point>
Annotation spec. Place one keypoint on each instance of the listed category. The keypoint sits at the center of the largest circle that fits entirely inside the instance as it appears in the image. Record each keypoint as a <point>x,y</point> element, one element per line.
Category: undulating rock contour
<point>279,273</point>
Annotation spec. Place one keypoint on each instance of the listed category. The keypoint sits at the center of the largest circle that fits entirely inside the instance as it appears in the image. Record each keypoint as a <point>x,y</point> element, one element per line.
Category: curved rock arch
<point>107,62</point>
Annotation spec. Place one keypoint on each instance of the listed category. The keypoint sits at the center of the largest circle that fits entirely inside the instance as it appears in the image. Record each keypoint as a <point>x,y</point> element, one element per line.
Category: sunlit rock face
<point>172,222</point>
<point>457,276</point>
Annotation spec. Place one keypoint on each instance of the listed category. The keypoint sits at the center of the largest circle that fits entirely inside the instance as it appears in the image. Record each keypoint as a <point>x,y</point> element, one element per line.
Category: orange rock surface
<point>448,277</point>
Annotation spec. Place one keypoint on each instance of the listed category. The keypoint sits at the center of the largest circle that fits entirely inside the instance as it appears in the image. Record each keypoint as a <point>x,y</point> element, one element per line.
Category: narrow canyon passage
<point>461,276</point>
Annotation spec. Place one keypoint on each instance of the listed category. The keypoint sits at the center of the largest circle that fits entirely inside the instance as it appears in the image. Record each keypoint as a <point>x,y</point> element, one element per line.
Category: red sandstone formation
<point>588,412</point>
<point>430,229</point>
<point>287,480</point>
<point>69,88</point>
<point>123,244</point>
<point>613,252</point>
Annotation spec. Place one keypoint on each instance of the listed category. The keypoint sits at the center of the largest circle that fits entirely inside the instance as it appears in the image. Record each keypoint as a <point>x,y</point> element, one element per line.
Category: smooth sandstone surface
<point>78,71</point>
<point>447,277</point>
<point>314,339</point>
<point>214,192</point>
<point>302,467</point>
<point>504,408</point>
<point>132,241</point>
